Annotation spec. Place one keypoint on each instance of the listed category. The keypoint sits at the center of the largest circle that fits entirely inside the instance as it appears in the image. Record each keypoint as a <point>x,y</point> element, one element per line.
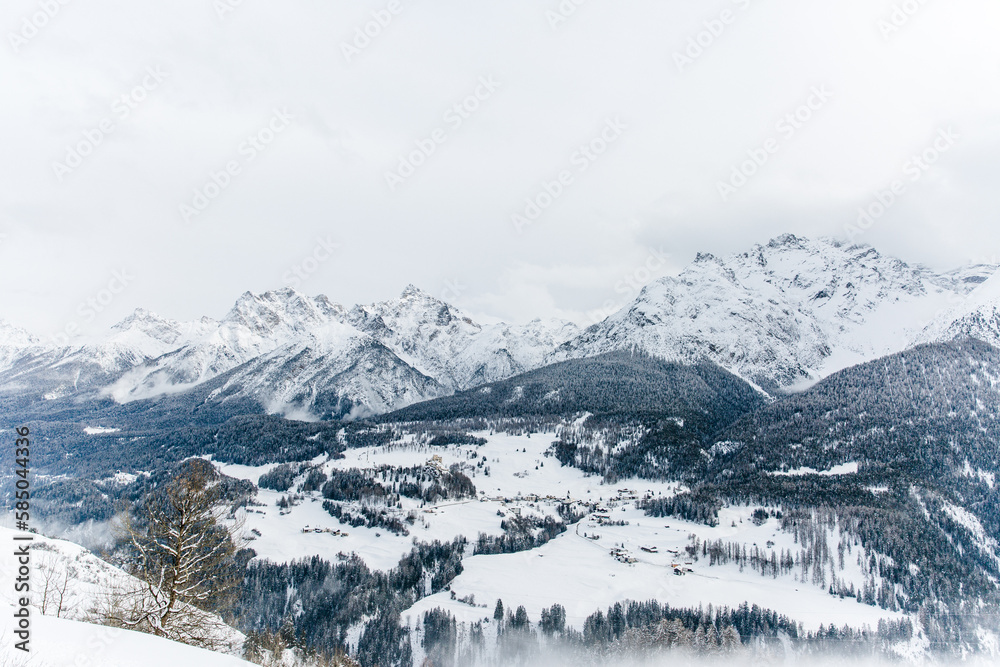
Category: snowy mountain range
<point>787,313</point>
<point>291,353</point>
<point>780,315</point>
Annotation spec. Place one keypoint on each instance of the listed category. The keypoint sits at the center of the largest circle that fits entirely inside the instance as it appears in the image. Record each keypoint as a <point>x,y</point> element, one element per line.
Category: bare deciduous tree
<point>184,562</point>
<point>55,586</point>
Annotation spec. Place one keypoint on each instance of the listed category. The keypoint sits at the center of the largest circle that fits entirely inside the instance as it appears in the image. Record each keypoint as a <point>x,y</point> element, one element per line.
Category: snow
<point>782,315</point>
<point>68,640</point>
<point>98,430</point>
<point>849,468</point>
<point>511,460</point>
<point>984,476</point>
<point>970,522</point>
<point>572,570</point>
<point>60,642</point>
<point>580,574</point>
<point>975,315</point>
<point>786,313</point>
<point>124,478</point>
<point>381,356</point>
<point>14,343</point>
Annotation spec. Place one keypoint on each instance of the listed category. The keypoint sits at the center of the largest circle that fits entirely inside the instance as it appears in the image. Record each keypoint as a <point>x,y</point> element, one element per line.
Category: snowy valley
<point>770,456</point>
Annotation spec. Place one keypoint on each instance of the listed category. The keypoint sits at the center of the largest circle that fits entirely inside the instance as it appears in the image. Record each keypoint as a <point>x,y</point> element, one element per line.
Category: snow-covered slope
<point>334,373</point>
<point>60,642</point>
<point>67,583</point>
<point>963,279</point>
<point>783,313</point>
<point>975,316</point>
<point>444,343</point>
<point>576,568</point>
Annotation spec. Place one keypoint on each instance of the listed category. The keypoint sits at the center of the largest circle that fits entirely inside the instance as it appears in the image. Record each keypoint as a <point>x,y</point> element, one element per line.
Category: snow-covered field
<point>574,570</point>
<point>583,576</point>
<point>512,462</point>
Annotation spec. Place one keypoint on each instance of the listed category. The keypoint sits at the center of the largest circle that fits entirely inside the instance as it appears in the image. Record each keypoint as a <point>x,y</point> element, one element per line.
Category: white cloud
<point>451,219</point>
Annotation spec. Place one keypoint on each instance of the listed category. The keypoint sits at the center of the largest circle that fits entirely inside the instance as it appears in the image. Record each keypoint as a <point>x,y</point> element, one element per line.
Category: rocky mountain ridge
<point>781,315</point>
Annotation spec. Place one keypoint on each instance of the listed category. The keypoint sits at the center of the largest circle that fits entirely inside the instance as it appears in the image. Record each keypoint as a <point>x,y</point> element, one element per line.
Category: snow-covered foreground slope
<point>59,565</point>
<point>67,583</point>
<point>60,642</point>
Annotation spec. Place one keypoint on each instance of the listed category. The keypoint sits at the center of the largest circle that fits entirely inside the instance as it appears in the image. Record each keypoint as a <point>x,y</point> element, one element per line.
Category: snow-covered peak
<point>442,342</point>
<point>142,319</point>
<point>13,336</point>
<point>14,343</point>
<point>285,310</point>
<point>427,333</point>
<point>964,279</point>
<point>553,330</point>
<point>976,315</point>
<point>256,325</point>
<point>783,312</point>
<point>807,268</point>
<point>411,291</point>
<point>143,323</point>
<point>415,306</point>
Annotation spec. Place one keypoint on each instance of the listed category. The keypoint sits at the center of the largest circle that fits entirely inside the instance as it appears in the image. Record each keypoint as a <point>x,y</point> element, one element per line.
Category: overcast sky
<point>121,117</point>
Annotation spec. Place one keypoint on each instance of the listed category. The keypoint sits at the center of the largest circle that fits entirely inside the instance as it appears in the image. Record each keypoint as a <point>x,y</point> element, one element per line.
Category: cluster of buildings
<point>336,532</point>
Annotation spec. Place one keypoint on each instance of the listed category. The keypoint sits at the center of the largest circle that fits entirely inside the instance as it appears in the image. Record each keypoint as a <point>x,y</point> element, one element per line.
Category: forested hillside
<point>932,413</point>
<point>900,453</point>
<point>621,384</point>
